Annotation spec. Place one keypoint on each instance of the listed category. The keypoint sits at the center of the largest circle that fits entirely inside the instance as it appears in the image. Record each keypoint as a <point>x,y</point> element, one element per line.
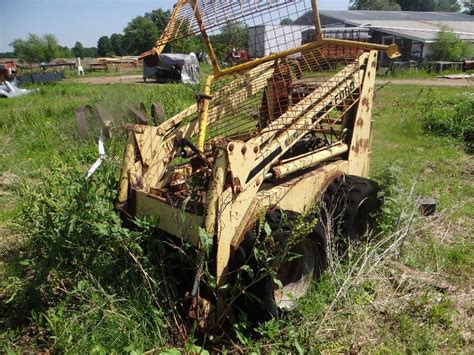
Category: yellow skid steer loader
<point>263,145</point>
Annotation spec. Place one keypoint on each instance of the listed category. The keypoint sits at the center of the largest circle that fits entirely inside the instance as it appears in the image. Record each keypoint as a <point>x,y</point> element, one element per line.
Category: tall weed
<point>90,281</point>
<point>449,116</point>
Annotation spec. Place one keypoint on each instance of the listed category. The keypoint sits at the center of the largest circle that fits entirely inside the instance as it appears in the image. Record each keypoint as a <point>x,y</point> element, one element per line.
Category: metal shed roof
<point>358,16</point>
<point>420,26</point>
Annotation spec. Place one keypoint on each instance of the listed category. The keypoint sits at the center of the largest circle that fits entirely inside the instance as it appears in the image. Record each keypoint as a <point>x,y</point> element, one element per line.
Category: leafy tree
<point>286,21</point>
<point>7,55</point>
<point>449,46</point>
<point>160,18</point>
<point>116,43</point>
<point>104,48</point>
<point>65,52</point>
<point>406,5</point>
<point>430,5</point>
<point>90,52</point>
<point>187,45</point>
<point>388,5</point>
<point>448,5</point>
<point>233,35</point>
<point>418,5</point>
<point>140,35</point>
<point>78,50</point>
<point>469,6</point>
<point>36,49</point>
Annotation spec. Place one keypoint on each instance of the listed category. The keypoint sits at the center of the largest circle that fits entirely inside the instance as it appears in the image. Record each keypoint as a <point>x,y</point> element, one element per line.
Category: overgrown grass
<point>450,116</point>
<point>71,74</point>
<point>438,165</point>
<point>86,279</point>
<point>40,128</point>
<point>420,74</point>
<point>73,278</point>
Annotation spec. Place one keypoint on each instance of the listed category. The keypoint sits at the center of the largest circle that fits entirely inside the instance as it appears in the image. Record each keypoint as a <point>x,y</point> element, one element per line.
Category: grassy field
<point>420,73</point>
<point>71,74</point>
<point>68,280</point>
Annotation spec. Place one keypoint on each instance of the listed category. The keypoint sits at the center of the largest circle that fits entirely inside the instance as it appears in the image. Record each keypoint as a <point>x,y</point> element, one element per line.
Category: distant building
<point>267,39</point>
<point>414,32</point>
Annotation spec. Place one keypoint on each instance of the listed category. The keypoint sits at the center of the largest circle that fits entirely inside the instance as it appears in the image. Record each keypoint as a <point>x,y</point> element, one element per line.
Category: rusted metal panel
<point>172,220</point>
<point>362,132</point>
<point>308,161</point>
<point>300,193</point>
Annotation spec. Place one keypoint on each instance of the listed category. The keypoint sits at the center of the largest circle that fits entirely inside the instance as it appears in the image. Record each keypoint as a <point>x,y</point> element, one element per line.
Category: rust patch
<point>361,146</point>
<point>236,185</point>
<point>366,104</point>
<point>360,122</point>
<point>177,182</point>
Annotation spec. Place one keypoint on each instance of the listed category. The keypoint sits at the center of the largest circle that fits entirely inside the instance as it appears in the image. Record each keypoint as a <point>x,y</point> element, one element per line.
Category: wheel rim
<point>295,275</point>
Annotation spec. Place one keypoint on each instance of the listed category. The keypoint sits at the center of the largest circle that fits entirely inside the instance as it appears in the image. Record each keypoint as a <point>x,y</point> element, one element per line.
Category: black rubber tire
<point>318,237</point>
<point>351,203</point>
<point>262,307</point>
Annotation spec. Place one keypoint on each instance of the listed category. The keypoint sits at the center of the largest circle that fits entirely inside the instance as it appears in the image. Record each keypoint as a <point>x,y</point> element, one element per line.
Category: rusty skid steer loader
<point>265,141</point>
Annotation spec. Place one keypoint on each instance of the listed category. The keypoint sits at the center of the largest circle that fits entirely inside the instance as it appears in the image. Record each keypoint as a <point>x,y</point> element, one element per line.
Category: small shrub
<point>397,204</point>
<point>449,46</point>
<point>449,116</point>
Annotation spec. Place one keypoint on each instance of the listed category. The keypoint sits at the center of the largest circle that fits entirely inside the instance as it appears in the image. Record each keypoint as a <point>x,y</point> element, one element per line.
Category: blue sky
<point>82,20</point>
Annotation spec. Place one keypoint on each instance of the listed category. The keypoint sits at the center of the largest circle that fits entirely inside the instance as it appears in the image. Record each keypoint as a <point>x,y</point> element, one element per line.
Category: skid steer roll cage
<point>391,50</point>
<point>239,168</point>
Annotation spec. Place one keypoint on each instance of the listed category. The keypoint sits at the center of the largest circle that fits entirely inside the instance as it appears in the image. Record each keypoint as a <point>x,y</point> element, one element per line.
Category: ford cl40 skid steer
<point>264,141</point>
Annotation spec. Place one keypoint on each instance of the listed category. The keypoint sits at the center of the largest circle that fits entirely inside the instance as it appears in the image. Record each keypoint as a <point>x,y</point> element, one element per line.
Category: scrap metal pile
<point>10,90</point>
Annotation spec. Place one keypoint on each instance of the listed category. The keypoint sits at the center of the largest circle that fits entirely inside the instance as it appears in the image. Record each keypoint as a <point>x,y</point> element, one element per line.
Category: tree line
<point>413,5</point>
<point>141,33</point>
<point>138,36</point>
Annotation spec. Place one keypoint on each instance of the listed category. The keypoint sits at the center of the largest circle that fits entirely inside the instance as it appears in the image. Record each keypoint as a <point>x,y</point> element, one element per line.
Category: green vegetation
<point>449,46</point>
<point>89,268</point>
<point>80,51</point>
<point>104,47</point>
<point>469,6</point>
<point>385,5</point>
<point>449,116</point>
<point>414,74</point>
<point>407,5</point>
<point>74,278</point>
<point>36,49</point>
<point>233,35</point>
<point>140,35</point>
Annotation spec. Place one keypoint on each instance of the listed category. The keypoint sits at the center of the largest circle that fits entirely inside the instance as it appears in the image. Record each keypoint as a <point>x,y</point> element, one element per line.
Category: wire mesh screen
<point>323,82</point>
<point>239,29</point>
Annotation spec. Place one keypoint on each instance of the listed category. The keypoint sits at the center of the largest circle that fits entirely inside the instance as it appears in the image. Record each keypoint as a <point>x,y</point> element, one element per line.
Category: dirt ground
<point>137,79</point>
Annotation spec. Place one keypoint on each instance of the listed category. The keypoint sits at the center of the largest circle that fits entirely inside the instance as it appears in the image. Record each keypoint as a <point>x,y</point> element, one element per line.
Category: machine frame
<point>247,177</point>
